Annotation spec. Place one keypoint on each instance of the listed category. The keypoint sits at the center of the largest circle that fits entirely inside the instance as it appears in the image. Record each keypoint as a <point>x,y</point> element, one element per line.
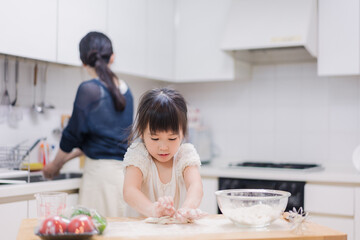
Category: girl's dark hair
<point>95,51</point>
<point>162,109</point>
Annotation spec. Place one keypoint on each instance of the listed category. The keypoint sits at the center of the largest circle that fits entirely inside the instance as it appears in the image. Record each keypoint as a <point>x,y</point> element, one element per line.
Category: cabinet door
<point>32,209</point>
<point>199,32</point>
<point>11,216</point>
<point>127,30</point>
<point>76,18</point>
<point>339,30</point>
<point>28,28</point>
<point>160,39</point>
<point>327,199</point>
<point>209,203</point>
<point>345,225</point>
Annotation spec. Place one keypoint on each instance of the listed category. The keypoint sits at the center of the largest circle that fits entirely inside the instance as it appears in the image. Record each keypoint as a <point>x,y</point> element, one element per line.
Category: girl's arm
<point>137,200</point>
<point>194,188</point>
<point>194,193</point>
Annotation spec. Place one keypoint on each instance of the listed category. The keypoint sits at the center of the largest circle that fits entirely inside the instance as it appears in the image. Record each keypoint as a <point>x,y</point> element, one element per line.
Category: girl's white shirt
<point>138,156</point>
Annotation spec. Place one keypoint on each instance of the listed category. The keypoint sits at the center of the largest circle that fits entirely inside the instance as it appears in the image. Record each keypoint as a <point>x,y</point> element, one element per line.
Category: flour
<point>257,215</point>
<point>166,220</point>
<point>206,225</point>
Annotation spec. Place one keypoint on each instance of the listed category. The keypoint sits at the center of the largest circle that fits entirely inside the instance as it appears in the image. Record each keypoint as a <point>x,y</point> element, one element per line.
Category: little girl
<point>162,172</point>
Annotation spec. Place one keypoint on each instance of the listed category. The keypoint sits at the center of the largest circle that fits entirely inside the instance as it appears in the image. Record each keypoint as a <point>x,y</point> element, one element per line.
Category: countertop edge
<point>327,175</point>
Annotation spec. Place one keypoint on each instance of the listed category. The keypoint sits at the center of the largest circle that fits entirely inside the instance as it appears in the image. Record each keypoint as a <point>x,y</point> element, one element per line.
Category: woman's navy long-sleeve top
<point>95,126</point>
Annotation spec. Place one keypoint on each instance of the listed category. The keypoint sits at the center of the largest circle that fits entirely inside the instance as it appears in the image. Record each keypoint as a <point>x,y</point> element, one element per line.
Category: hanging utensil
<point>44,84</point>
<point>5,99</point>
<point>15,113</point>
<point>16,81</point>
<point>34,90</point>
<point>41,106</point>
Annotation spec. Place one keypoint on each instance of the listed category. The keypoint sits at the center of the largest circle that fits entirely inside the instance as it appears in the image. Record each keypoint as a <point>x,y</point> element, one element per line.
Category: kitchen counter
<point>211,227</point>
<point>11,192</point>
<point>329,174</point>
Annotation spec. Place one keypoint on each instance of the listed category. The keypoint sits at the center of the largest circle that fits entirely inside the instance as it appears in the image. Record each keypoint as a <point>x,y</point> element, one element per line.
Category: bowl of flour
<point>252,207</point>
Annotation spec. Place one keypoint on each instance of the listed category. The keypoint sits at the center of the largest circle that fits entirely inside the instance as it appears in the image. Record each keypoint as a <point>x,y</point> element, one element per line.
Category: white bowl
<point>252,207</point>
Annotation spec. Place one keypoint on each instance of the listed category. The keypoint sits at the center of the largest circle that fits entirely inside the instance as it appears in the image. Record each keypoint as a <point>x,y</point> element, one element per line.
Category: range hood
<point>272,30</point>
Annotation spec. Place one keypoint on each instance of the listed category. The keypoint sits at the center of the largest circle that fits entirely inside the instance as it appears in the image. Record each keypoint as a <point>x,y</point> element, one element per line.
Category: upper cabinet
<point>184,38</point>
<point>127,30</point>
<point>28,28</point>
<point>170,40</point>
<point>160,40</point>
<point>199,29</point>
<point>75,19</point>
<point>339,37</point>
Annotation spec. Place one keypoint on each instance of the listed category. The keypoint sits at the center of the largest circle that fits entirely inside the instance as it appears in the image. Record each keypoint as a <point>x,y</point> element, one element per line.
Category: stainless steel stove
<point>295,166</point>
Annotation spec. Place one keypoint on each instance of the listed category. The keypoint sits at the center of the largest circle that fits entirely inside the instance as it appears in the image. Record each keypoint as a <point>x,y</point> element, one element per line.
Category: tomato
<point>81,224</point>
<point>54,225</point>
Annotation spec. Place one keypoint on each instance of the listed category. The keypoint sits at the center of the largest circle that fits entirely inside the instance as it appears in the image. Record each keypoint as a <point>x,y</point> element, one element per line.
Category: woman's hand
<point>185,214</point>
<point>51,170</point>
<point>164,207</point>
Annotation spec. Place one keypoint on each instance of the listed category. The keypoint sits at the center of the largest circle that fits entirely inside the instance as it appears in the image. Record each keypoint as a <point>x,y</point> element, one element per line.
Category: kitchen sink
<point>40,178</point>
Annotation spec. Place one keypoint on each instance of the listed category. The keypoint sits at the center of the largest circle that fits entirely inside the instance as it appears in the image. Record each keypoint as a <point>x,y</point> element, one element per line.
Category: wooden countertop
<point>120,229</point>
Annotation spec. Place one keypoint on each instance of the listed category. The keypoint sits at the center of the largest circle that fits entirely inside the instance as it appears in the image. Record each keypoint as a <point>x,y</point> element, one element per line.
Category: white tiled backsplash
<point>284,112</point>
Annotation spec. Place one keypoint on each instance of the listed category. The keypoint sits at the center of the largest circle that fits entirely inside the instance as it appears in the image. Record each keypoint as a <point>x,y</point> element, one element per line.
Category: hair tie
<point>93,57</point>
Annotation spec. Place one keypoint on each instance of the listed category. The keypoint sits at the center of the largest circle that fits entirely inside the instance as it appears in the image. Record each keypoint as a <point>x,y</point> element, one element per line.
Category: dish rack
<point>12,157</point>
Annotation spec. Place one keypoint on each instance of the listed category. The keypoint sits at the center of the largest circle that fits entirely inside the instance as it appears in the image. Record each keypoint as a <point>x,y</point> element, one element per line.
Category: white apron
<point>102,187</point>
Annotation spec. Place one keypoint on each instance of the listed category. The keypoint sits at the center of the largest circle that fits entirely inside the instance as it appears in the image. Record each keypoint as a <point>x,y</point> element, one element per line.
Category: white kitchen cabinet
<point>345,225</point>
<point>11,216</point>
<point>75,19</point>
<point>209,203</point>
<point>357,214</point>
<point>160,39</point>
<point>32,209</point>
<point>328,199</point>
<point>198,34</point>
<point>332,206</point>
<point>339,37</point>
<point>184,39</point>
<point>28,28</point>
<point>127,30</point>
<point>170,40</point>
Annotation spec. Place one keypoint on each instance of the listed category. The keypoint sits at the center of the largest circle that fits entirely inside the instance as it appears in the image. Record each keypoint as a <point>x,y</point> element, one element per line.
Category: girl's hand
<point>185,214</point>
<point>164,207</point>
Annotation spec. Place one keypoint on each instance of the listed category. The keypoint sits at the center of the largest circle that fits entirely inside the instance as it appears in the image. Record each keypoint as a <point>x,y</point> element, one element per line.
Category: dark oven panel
<point>295,188</point>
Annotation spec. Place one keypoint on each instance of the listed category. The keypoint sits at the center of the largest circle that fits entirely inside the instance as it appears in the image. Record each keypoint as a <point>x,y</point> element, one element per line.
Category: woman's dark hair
<point>162,109</point>
<point>95,51</point>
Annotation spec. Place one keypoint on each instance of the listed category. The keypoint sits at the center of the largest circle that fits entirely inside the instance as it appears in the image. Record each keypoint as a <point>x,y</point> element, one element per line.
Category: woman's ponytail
<point>95,51</point>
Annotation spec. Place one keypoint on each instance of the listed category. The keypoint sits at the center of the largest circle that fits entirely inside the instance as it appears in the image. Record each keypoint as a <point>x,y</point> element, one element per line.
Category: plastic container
<point>50,204</point>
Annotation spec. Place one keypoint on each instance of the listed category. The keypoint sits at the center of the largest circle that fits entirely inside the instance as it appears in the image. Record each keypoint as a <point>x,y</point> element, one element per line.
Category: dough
<point>165,220</point>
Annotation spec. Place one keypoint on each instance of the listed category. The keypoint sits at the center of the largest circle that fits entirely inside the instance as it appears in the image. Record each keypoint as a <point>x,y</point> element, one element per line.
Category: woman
<point>99,127</point>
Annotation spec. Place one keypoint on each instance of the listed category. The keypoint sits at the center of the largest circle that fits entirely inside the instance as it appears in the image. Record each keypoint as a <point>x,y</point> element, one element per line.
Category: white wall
<point>284,112</point>
<point>61,86</point>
